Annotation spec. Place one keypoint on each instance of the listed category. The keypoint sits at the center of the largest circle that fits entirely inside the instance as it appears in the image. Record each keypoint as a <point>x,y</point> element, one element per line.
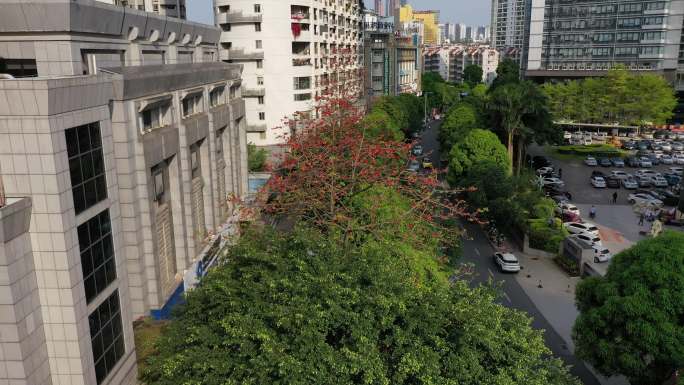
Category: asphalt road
<point>478,251</point>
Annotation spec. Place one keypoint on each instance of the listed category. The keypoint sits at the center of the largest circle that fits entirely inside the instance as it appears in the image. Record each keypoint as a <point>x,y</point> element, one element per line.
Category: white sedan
<point>579,228</point>
<point>591,161</point>
<point>644,199</point>
<point>676,170</point>
<point>601,254</point>
<point>566,207</point>
<point>619,175</point>
<point>659,181</point>
<point>591,239</point>
<point>553,182</point>
<point>507,262</point>
<point>598,182</point>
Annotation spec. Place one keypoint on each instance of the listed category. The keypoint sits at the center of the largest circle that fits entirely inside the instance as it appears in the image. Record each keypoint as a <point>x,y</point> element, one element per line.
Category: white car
<point>645,173</point>
<point>630,184</point>
<point>619,175</point>
<point>659,181</point>
<point>589,238</point>
<point>598,182</point>
<point>667,147</point>
<point>679,159</point>
<point>601,254</point>
<point>645,162</point>
<point>676,170</point>
<point>591,161</point>
<point>566,207</point>
<point>579,228</point>
<point>555,182</point>
<point>644,199</point>
<point>507,262</point>
<point>666,159</point>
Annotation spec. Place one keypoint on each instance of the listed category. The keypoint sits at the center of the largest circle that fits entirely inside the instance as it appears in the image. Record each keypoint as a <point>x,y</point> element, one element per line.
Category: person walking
<point>641,219</point>
<point>615,197</point>
<point>560,173</point>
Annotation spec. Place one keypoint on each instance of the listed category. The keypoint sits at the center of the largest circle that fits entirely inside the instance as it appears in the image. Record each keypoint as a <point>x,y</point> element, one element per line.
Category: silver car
<point>507,262</point>
<point>630,183</point>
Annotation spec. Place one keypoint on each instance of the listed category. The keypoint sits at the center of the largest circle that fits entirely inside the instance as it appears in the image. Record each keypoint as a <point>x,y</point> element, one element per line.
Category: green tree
<point>394,110</point>
<point>478,146</point>
<point>297,309</point>
<point>458,122</point>
<point>631,321</point>
<point>472,75</point>
<point>507,72</point>
<point>380,125</point>
<point>413,105</point>
<point>256,158</point>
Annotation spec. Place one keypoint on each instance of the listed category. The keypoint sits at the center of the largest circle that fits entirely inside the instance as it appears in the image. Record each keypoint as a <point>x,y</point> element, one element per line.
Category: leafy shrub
<point>568,265</point>
<point>544,236</point>
<point>590,150</point>
<point>256,158</point>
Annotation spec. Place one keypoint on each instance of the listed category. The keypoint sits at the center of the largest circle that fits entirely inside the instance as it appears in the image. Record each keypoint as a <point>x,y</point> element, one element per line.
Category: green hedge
<point>545,237</point>
<point>603,150</point>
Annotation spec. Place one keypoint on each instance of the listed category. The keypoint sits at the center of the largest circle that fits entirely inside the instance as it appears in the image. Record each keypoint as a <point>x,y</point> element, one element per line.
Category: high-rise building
<point>450,61</point>
<point>171,8</point>
<point>390,6</point>
<point>460,32</point>
<point>447,32</point>
<point>510,28</point>
<point>469,36</point>
<point>430,20</point>
<point>291,51</point>
<point>481,33</point>
<point>379,8</point>
<point>586,38</point>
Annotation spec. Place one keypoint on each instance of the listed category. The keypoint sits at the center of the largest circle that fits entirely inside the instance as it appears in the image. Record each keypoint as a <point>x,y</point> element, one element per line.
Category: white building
<point>451,60</point>
<point>510,28</point>
<point>122,144</point>
<point>291,50</point>
<point>171,8</point>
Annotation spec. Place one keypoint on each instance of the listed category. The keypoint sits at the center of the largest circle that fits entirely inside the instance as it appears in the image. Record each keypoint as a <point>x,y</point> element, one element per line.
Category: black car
<point>629,145</point>
<point>612,182</point>
<point>633,162</point>
<point>668,197</point>
<point>553,191</point>
<point>605,162</point>
<point>654,159</point>
<point>540,161</point>
<point>598,173</point>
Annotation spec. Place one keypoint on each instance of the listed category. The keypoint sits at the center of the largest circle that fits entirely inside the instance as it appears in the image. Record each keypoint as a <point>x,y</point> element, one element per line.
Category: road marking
<point>477,251</point>
<point>490,273</point>
<point>507,297</point>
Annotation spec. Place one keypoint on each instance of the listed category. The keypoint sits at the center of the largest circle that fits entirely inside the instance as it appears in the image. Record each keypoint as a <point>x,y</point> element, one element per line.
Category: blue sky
<point>471,12</point>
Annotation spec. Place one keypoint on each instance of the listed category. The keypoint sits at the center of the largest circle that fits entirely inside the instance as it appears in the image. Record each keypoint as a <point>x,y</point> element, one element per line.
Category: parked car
<point>659,181</point>
<point>676,170</point>
<point>417,150</point>
<point>643,181</point>
<point>413,166</point>
<point>645,162</point>
<point>678,159</point>
<point>643,146</point>
<point>598,173</point>
<point>630,183</point>
<point>612,182</point>
<point>598,182</point>
<point>559,199</point>
<point>605,162</point>
<point>427,164</point>
<point>668,197</point>
<point>591,239</point>
<point>619,175</point>
<point>506,262</point>
<point>629,145</point>
<point>667,159</point>
<point>581,227</point>
<point>667,147</point>
<point>540,161</point>
<point>633,162</point>
<point>676,146</point>
<point>567,207</point>
<point>617,162</point>
<point>672,179</point>
<point>545,170</point>
<point>644,199</point>
<point>643,172</point>
<point>601,254</point>
<point>591,161</point>
<point>654,158</point>
<point>553,182</point>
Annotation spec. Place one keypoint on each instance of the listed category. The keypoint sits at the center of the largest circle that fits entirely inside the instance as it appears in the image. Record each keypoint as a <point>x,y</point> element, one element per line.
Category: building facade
<point>291,51</point>
<point>124,143</point>
<point>586,38</point>
<point>450,61</point>
<point>429,19</point>
<point>510,28</point>
<point>171,8</point>
<point>379,7</point>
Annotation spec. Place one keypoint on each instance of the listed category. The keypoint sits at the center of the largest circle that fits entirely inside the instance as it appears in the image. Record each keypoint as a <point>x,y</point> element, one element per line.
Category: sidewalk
<point>555,300</point>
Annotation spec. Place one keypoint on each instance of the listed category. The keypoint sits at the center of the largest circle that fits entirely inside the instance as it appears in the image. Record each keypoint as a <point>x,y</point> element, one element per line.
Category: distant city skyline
<point>453,11</point>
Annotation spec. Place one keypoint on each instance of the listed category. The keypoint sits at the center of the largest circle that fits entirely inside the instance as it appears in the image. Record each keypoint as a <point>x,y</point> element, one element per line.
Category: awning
<point>154,102</point>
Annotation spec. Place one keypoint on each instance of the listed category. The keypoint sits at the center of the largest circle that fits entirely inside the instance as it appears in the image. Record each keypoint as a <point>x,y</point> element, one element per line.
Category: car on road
<point>619,175</point>
<point>676,170</point>
<point>581,227</point>
<point>556,182</point>
<point>645,162</point>
<point>427,164</point>
<point>605,162</point>
<point>567,207</point>
<point>612,182</point>
<point>617,162</point>
<point>506,262</point>
<point>591,161</point>
<point>659,181</point>
<point>630,183</point>
<point>598,182</point>
<point>601,254</point>
<point>413,166</point>
<point>644,199</point>
<point>588,238</point>
<point>417,150</point>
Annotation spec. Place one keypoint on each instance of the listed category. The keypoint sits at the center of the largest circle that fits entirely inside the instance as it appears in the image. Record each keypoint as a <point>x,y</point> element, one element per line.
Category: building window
<point>302,83</point>
<point>260,80</point>
<point>259,64</point>
<point>302,97</point>
<point>257,27</point>
<point>86,165</point>
<point>19,68</point>
<point>217,97</point>
<point>233,92</point>
<point>97,254</point>
<point>260,99</point>
<point>257,8</point>
<point>192,104</point>
<point>225,27</point>
<point>154,117</point>
<point>106,336</point>
<point>195,171</point>
<point>262,116</point>
<point>259,44</point>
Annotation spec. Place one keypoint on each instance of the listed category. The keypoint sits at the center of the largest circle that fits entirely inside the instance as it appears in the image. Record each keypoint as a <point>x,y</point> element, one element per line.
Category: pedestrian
<point>641,219</point>
<point>567,193</point>
<point>560,173</point>
<point>615,196</point>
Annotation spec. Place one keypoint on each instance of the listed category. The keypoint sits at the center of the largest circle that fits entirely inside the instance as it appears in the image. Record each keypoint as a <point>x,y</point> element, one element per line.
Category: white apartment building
<point>451,60</point>
<point>510,28</point>
<point>291,51</point>
<point>171,8</point>
<point>122,144</point>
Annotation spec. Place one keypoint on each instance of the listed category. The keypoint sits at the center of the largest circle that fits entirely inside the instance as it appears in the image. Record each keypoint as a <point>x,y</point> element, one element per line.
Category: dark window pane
<point>98,163</point>
<point>83,236</point>
<point>101,188</point>
<point>83,139</point>
<point>108,248</point>
<point>72,142</point>
<point>95,229</point>
<point>90,193</point>
<point>95,138</point>
<point>87,167</point>
<point>106,336</point>
<point>84,145</point>
<point>110,270</point>
<point>100,279</point>
<point>75,171</point>
<point>79,199</point>
<point>100,371</point>
<point>97,254</point>
<point>90,290</point>
<point>87,263</point>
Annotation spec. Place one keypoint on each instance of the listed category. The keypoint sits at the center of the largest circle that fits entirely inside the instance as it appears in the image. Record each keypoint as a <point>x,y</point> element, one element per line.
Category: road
<point>478,251</point>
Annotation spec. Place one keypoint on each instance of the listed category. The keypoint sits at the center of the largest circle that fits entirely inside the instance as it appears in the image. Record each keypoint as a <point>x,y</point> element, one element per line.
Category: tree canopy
<point>457,123</point>
<point>472,75</point>
<point>507,72</point>
<point>620,97</point>
<point>631,321</point>
<point>477,147</point>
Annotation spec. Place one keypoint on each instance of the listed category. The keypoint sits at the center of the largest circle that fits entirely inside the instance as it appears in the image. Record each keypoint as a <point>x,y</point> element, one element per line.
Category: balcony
<point>256,128</point>
<point>300,62</point>
<point>253,92</point>
<point>238,17</point>
<point>241,54</point>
